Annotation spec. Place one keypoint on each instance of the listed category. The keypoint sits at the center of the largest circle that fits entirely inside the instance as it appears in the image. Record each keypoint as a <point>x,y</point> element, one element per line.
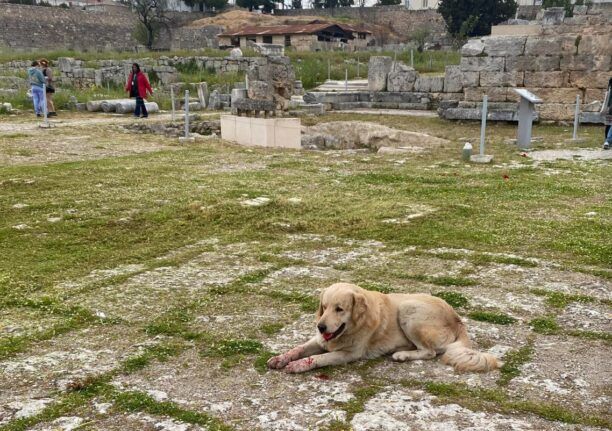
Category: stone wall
<point>397,19</point>
<point>563,61</point>
<point>50,28</point>
<point>27,28</point>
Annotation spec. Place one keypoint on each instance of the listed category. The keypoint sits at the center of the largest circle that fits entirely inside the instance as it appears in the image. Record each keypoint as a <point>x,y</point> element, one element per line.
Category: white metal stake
<point>576,117</point>
<point>394,59</point>
<point>345,79</point>
<point>46,118</point>
<point>186,113</point>
<point>483,124</point>
<point>412,58</point>
<point>172,100</point>
<point>328,70</point>
<point>358,76</point>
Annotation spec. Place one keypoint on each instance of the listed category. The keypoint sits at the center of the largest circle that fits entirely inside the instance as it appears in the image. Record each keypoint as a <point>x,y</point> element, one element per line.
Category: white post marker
<point>45,116</point>
<point>328,70</point>
<point>394,59</point>
<point>412,58</point>
<point>526,113</point>
<point>172,100</point>
<point>576,118</point>
<point>358,76</point>
<point>345,79</point>
<point>186,113</point>
<point>481,157</point>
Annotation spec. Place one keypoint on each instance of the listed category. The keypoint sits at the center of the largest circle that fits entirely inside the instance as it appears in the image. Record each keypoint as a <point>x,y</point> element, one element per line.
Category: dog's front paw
<point>278,362</point>
<point>300,365</point>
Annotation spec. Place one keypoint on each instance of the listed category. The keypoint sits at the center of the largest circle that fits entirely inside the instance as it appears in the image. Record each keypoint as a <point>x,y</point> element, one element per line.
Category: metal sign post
<point>345,79</point>
<point>412,58</point>
<point>45,113</point>
<point>328,70</point>
<point>483,124</point>
<point>526,114</point>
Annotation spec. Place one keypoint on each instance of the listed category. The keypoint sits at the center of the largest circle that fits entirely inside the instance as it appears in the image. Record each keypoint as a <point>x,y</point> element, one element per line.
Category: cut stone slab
<point>359,134</point>
<point>243,398</point>
<point>397,408</point>
<point>577,154</point>
<point>50,366</point>
<point>477,158</point>
<point>568,373</point>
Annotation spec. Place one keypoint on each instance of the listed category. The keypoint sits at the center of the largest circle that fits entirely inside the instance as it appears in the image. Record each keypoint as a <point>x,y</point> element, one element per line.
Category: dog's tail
<point>463,358</point>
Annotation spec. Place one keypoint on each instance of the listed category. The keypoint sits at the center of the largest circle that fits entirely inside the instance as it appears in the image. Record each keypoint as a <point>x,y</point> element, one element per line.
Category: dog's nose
<point>321,327</point>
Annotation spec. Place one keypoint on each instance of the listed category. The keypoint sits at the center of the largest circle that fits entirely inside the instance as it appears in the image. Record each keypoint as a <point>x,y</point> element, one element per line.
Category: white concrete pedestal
<point>262,132</point>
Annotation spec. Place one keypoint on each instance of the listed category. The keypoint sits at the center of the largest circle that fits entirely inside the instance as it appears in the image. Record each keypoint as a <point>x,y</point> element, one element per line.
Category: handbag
<point>50,89</point>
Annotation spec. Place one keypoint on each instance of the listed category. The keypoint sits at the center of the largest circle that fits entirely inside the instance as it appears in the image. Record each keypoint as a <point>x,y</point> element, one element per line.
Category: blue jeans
<point>140,106</point>
<point>38,98</point>
<point>609,134</point>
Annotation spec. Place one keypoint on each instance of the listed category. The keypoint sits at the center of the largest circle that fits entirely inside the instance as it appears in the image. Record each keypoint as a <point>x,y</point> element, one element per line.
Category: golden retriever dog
<point>354,323</point>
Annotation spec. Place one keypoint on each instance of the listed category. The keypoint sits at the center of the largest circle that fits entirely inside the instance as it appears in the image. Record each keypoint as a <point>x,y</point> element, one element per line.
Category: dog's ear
<point>360,304</point>
<point>320,310</point>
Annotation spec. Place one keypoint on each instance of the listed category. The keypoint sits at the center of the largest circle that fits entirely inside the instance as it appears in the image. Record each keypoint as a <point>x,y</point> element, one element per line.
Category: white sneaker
<point>606,145</point>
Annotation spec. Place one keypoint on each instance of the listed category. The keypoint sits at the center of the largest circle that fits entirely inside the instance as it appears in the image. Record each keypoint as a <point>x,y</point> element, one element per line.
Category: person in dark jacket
<point>50,88</point>
<point>606,113</point>
<point>137,86</point>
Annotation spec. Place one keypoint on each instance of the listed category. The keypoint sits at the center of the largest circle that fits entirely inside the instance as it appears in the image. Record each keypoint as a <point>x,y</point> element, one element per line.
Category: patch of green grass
<point>561,300</point>
<point>261,362</point>
<point>307,303</point>
<point>361,396</point>
<point>271,328</point>
<point>492,317</point>
<point>590,335</point>
<point>481,258</point>
<point>377,287</point>
<point>513,360</point>
<point>439,280</point>
<point>454,299</point>
<point>231,347</point>
<point>159,352</point>
<point>140,402</point>
<point>545,325</point>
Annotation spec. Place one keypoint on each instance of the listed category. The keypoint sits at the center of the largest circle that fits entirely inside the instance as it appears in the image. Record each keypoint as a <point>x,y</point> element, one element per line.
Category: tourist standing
<point>137,86</point>
<point>48,74</point>
<point>606,113</point>
<point>37,79</point>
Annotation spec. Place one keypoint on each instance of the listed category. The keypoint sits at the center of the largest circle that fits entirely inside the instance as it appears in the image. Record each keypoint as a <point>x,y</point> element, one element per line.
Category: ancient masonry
<point>565,57</point>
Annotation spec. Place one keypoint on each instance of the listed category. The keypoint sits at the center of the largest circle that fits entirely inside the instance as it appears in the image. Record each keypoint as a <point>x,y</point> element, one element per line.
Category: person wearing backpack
<point>36,80</point>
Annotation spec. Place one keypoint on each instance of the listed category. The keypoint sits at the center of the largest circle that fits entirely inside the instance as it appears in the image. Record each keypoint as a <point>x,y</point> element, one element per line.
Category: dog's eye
<point>339,310</point>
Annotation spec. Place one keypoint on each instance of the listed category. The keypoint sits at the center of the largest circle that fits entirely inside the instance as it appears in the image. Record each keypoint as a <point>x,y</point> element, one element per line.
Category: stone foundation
<point>262,132</point>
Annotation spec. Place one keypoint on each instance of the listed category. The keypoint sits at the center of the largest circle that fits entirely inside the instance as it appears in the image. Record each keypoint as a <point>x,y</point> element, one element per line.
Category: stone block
<point>594,95</point>
<point>378,70</point>
<point>260,90</point>
<point>473,48</point>
<point>602,63</point>
<point>594,44</point>
<point>552,16</point>
<point>263,132</point>
<point>536,45</point>
<point>429,84</point>
<point>557,95</point>
<point>556,111</point>
<point>546,79</point>
<point>479,64</point>
<point>471,79</point>
<point>495,94</point>
<point>504,46</point>
<point>533,63</point>
<point>402,80</point>
<point>453,79</point>
<point>577,62</point>
<point>589,79</point>
<point>504,79</point>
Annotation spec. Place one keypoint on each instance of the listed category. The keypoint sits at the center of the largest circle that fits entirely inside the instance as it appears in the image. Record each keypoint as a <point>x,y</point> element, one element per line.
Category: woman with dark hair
<point>606,113</point>
<point>137,86</point>
<point>50,89</point>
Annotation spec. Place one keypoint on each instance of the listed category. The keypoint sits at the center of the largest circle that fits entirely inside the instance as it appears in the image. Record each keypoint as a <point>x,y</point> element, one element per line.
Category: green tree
<point>296,4</point>
<point>151,15</point>
<point>388,2</point>
<point>466,18</point>
<point>330,4</point>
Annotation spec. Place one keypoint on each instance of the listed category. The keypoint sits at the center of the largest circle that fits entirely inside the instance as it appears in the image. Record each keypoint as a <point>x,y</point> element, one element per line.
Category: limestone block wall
<point>563,61</point>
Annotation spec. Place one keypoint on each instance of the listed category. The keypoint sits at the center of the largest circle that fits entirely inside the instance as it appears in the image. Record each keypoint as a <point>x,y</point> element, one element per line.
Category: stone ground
<point>210,376</point>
